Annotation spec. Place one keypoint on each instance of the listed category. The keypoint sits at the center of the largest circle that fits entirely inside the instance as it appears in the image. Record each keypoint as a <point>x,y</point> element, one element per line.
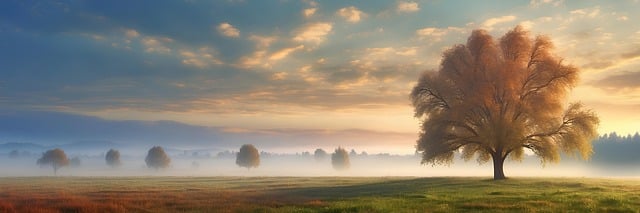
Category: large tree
<point>248,156</point>
<point>495,98</point>
<point>55,158</point>
<point>157,158</point>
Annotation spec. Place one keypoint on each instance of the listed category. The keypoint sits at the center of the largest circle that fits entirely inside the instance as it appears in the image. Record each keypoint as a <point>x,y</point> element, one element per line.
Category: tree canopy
<point>248,156</point>
<point>56,158</point>
<point>319,154</point>
<point>494,98</point>
<point>157,158</point>
<point>113,158</point>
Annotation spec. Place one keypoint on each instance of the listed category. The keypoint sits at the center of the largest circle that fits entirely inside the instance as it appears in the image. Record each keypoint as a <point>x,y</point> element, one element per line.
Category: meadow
<point>317,194</point>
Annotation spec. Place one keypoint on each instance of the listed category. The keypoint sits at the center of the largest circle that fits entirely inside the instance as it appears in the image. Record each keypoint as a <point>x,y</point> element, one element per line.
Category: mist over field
<point>207,164</point>
<point>204,151</point>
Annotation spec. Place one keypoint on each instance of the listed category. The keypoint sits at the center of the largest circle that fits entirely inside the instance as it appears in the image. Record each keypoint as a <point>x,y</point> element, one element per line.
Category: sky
<point>291,69</point>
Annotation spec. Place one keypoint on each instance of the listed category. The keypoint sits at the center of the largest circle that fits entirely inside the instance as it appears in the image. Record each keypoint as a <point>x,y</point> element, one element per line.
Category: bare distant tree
<point>319,154</point>
<point>493,99</point>
<point>113,158</point>
<point>340,159</point>
<point>55,158</point>
<point>157,158</point>
<point>248,156</point>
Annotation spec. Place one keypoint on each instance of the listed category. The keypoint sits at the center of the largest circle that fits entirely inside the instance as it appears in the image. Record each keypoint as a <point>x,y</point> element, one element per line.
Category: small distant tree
<point>248,157</point>
<point>340,159</point>
<point>157,158</point>
<point>113,158</point>
<point>14,154</point>
<point>56,158</point>
<point>353,152</point>
<point>319,154</point>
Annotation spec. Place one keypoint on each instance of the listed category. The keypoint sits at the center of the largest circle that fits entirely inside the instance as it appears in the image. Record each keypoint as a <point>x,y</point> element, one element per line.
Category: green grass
<point>316,194</point>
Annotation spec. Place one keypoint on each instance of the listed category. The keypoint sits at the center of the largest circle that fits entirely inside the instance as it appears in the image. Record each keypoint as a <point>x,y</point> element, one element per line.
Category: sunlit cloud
<point>279,76</point>
<point>490,23</point>
<point>262,41</point>
<point>538,3</point>
<point>204,58</point>
<point>156,45</point>
<point>130,33</point>
<point>407,7</point>
<point>309,12</point>
<point>436,34</point>
<point>586,12</point>
<point>314,33</point>
<point>228,30</point>
<point>351,14</point>
<point>283,53</point>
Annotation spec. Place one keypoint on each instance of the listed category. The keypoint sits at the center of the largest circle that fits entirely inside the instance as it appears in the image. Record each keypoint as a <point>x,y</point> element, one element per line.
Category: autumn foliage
<point>494,98</point>
<point>56,158</point>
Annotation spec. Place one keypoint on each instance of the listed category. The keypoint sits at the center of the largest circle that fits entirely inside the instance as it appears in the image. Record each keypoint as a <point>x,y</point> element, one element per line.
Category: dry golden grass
<point>315,194</point>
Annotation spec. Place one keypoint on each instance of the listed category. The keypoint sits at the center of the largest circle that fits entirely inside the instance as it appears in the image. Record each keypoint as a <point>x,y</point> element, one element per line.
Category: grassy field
<point>316,194</point>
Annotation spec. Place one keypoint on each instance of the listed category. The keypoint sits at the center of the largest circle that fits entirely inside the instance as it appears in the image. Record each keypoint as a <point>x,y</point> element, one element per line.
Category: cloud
<point>624,80</point>
<point>489,23</point>
<point>631,54</point>
<point>313,33</point>
<point>309,12</point>
<point>204,58</point>
<point>436,34</point>
<point>538,3</point>
<point>351,14</point>
<point>130,33</point>
<point>254,59</point>
<point>407,7</point>
<point>279,76</point>
<point>156,45</point>
<point>586,12</point>
<point>262,42</point>
<point>283,53</point>
<point>228,30</point>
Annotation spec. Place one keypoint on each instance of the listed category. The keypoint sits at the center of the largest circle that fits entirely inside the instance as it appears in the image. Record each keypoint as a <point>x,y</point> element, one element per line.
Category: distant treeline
<point>616,149</point>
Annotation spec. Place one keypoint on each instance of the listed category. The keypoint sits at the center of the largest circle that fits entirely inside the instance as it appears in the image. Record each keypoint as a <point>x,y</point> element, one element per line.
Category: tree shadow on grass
<point>390,188</point>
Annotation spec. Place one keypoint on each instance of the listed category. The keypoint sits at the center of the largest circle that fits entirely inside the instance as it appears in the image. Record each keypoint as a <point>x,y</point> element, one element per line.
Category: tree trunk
<point>498,167</point>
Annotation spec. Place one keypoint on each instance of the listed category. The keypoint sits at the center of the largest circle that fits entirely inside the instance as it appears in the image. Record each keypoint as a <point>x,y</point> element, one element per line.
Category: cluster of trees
<point>157,158</point>
<point>615,149</point>
<point>56,158</point>
<point>614,137</point>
